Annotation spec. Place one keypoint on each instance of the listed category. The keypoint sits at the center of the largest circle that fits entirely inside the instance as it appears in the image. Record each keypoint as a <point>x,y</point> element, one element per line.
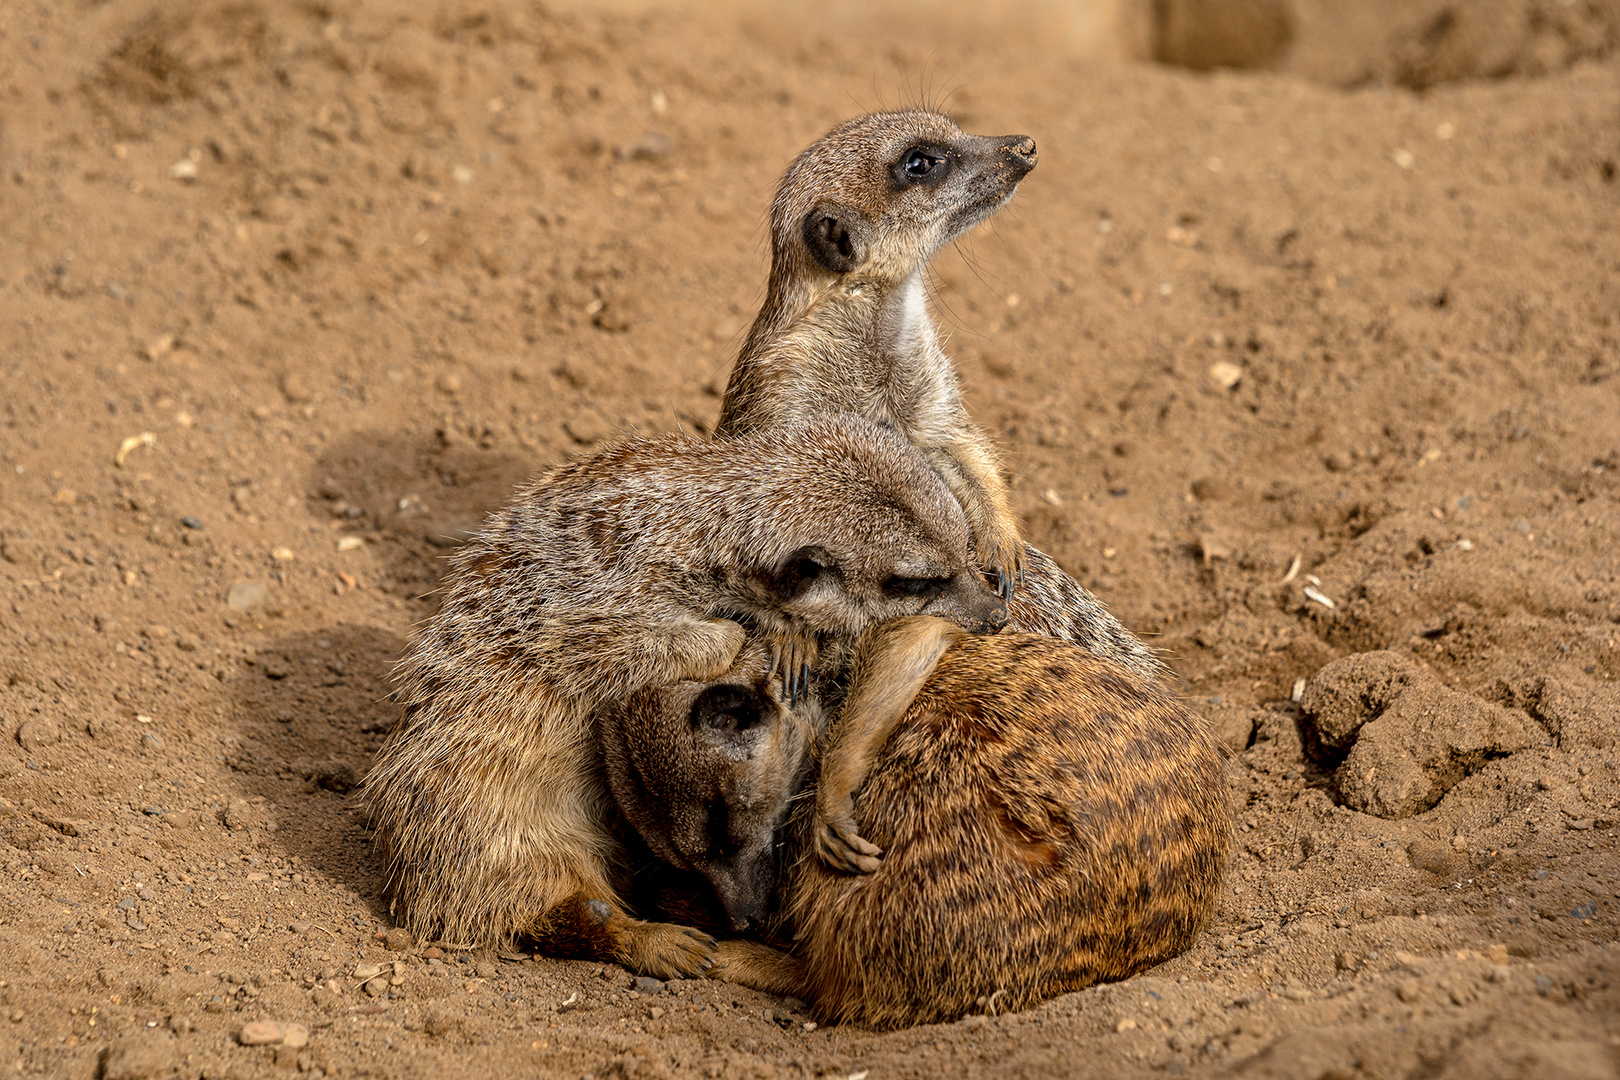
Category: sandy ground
<point>1295,376</point>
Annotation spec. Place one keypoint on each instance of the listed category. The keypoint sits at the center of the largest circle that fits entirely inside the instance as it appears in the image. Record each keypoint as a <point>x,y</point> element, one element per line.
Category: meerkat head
<point>705,773</point>
<point>861,530</point>
<point>883,192</point>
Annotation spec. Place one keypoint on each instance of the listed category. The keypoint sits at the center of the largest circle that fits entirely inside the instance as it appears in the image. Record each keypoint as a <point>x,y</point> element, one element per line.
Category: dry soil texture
<point>1317,387</point>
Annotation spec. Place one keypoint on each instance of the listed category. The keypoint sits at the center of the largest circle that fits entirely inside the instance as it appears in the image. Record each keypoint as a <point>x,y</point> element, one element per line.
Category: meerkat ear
<point>727,709</point>
<point>799,569</point>
<point>837,237</point>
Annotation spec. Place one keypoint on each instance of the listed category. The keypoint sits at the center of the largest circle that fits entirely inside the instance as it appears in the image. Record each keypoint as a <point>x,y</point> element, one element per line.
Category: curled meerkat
<point>614,572</point>
<point>845,326</point>
<point>703,772</point>
<point>1048,819</point>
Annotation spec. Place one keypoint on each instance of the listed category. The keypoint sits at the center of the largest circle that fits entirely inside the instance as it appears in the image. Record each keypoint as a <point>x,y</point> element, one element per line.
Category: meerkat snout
<point>1020,151</point>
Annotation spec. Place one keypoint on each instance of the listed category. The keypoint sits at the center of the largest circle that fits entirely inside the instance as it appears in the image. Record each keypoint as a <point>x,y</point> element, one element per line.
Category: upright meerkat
<point>845,326</point>
<point>615,572</point>
<point>1049,819</point>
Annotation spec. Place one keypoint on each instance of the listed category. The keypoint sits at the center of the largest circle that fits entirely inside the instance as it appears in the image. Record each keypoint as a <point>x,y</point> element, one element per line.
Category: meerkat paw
<point>840,845</point>
<point>1003,559</point>
<point>760,967</point>
<point>791,656</point>
<point>664,950</point>
<point>714,650</point>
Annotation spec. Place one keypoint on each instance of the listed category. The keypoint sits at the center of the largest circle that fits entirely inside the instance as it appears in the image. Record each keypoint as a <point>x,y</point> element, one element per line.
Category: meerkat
<point>703,772</point>
<point>626,569</point>
<point>676,778</point>
<point>1048,819</point>
<point>845,326</point>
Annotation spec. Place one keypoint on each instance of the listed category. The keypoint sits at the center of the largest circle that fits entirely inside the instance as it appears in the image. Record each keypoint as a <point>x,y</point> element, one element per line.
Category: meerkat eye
<point>924,165</point>
<point>915,586</point>
<point>919,164</point>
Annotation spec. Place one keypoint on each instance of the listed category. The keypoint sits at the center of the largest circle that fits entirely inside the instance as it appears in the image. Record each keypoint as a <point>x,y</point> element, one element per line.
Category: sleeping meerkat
<point>845,326</point>
<point>1048,820</point>
<point>611,573</point>
<point>703,774</point>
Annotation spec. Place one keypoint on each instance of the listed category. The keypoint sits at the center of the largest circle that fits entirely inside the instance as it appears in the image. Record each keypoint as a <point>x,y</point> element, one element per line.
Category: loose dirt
<point>1317,386</point>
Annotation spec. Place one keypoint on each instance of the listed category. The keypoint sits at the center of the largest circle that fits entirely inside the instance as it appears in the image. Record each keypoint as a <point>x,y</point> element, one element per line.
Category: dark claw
<point>1004,584</point>
<point>804,682</point>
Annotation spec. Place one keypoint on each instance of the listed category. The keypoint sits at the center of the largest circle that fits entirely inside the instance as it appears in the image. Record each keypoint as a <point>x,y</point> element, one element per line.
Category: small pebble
<point>645,985</point>
<point>296,390</point>
<point>192,523</point>
<point>246,595</point>
<point>398,939</point>
<point>34,734</point>
<point>262,1033</point>
<point>299,927</point>
<point>1226,374</point>
<point>295,1036</point>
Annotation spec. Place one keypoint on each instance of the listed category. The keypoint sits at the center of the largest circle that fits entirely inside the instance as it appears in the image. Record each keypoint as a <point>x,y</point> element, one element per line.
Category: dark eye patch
<point>915,586</point>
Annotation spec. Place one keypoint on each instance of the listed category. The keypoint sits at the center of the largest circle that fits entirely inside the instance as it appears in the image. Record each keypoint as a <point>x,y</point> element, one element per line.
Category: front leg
<point>599,658</point>
<point>893,661</point>
<point>969,467</point>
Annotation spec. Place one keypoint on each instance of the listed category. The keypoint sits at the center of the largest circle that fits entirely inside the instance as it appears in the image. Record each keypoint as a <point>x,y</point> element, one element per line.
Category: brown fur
<point>845,326</point>
<point>613,573</point>
<point>703,773</point>
<point>862,341</point>
<point>1049,820</point>
<point>1051,603</point>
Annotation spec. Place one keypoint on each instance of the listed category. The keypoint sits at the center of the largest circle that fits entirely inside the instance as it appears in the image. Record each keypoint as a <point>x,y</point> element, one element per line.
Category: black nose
<point>994,622</point>
<point>1019,153</point>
